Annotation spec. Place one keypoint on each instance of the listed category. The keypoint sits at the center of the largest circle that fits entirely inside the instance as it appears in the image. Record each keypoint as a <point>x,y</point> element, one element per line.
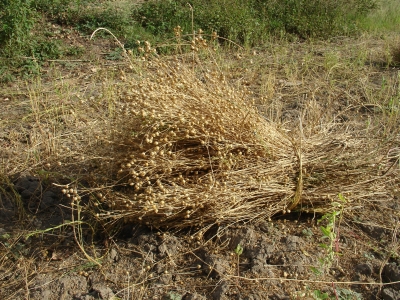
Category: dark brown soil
<point>281,259</point>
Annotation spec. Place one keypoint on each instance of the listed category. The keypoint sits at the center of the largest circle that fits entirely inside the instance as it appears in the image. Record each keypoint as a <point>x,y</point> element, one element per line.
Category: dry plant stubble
<point>192,150</point>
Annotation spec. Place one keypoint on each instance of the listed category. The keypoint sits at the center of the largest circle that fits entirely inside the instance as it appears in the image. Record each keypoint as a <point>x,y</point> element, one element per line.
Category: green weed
<point>172,296</point>
<point>340,294</point>
<point>329,233</point>
<point>318,295</point>
<point>238,251</point>
<point>13,245</point>
<point>16,22</point>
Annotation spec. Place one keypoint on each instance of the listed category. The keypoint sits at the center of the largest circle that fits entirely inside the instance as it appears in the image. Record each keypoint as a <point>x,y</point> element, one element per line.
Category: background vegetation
<point>26,42</point>
<point>253,22</point>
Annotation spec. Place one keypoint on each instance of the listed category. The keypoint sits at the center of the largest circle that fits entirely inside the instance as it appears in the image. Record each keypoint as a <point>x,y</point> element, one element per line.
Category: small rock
<point>113,255</point>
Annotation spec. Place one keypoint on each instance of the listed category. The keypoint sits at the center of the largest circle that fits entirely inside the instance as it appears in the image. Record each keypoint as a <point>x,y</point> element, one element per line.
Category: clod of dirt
<point>67,287</point>
<point>98,292</point>
<point>245,237</point>
<point>6,211</point>
<point>103,292</point>
<point>390,294</point>
<point>28,186</point>
<point>362,270</point>
<point>377,233</point>
<point>49,198</point>
<point>169,247</point>
<point>220,291</point>
<point>292,242</point>
<point>260,256</point>
<point>215,265</point>
<point>268,227</point>
<point>391,273</point>
<point>148,241</point>
<point>293,246</point>
<point>259,266</point>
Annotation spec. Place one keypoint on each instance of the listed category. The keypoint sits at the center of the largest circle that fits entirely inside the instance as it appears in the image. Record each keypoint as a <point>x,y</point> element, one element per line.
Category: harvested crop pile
<point>193,150</point>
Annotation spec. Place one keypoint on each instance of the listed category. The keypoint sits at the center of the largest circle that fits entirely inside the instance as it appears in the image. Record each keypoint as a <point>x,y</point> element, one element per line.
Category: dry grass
<point>192,150</point>
<point>177,146</point>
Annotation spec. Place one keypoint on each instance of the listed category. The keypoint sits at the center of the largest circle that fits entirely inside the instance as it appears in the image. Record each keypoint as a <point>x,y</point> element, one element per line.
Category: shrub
<point>16,21</point>
<point>232,19</point>
<point>252,21</point>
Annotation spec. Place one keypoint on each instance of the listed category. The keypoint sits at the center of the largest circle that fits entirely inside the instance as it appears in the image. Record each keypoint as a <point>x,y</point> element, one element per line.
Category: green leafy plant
<point>16,22</point>
<point>345,294</point>
<point>14,246</point>
<point>116,54</point>
<point>330,233</point>
<point>340,294</point>
<point>238,251</point>
<point>318,295</point>
<point>172,296</point>
<point>307,232</point>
